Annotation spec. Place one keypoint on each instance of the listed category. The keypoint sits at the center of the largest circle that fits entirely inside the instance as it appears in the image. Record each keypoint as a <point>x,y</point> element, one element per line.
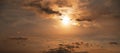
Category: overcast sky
<point>30,19</point>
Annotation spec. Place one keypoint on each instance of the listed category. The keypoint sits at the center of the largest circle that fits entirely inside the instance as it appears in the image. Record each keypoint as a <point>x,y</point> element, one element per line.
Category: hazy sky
<point>40,21</point>
<point>14,17</point>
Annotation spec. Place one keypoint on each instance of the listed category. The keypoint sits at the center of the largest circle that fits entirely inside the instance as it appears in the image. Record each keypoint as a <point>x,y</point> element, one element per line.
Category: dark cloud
<point>66,48</point>
<point>113,43</point>
<point>38,5</point>
<point>84,19</point>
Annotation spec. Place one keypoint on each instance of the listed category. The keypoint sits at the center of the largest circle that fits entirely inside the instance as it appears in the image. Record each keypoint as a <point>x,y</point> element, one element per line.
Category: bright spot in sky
<point>65,20</point>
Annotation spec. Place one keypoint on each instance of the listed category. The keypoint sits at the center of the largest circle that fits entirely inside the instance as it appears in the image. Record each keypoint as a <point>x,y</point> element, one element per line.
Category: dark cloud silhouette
<point>38,5</point>
<point>65,48</point>
<point>84,19</point>
<point>113,43</point>
<point>59,50</point>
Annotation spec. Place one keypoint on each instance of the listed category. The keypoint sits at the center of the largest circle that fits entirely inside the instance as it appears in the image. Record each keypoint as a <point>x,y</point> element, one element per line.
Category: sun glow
<point>68,21</point>
<point>65,20</point>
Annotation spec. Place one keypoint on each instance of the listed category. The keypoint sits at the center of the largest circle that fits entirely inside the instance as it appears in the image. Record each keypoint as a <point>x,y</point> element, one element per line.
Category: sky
<point>95,20</point>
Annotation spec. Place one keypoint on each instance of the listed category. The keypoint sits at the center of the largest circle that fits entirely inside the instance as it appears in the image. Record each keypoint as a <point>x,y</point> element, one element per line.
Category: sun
<point>68,21</point>
<point>65,20</point>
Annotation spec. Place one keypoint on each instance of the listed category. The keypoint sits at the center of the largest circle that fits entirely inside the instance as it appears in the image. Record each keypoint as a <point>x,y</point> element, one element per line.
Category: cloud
<point>68,48</point>
<point>46,9</point>
<point>43,8</point>
<point>84,19</point>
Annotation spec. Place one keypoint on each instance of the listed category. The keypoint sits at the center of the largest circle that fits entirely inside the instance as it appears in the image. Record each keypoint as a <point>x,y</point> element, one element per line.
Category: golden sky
<point>64,20</point>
